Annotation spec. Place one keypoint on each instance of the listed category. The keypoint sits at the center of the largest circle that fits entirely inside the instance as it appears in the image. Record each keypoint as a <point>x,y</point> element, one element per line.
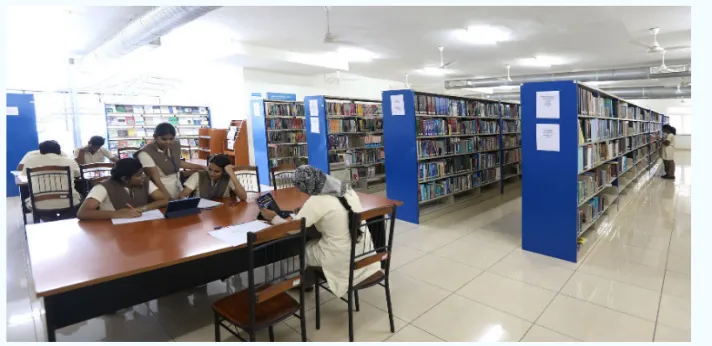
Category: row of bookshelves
<point>353,108</point>
<point>617,142</point>
<point>430,104</point>
<point>116,109</point>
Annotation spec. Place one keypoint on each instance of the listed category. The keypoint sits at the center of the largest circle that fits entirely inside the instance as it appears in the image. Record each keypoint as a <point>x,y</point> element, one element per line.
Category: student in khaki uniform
<point>126,194</point>
<point>94,152</point>
<point>161,161</point>
<point>218,182</point>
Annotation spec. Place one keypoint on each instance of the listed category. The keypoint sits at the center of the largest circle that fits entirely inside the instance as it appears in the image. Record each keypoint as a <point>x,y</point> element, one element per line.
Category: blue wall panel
<point>549,179</point>
<point>259,139</point>
<point>21,135</point>
<point>317,142</point>
<point>399,139</point>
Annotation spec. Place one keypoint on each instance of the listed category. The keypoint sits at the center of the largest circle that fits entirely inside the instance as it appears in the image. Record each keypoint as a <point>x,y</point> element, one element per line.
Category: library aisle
<point>460,277</point>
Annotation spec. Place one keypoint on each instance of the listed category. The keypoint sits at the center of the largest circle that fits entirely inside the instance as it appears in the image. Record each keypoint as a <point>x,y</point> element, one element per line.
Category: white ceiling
<point>407,37</point>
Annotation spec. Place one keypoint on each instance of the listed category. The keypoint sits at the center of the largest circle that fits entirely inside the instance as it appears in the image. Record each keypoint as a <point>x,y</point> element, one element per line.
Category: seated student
<point>126,194</point>
<point>21,165</point>
<point>94,152</point>
<point>218,182</point>
<point>328,208</point>
<point>51,155</point>
<point>161,161</point>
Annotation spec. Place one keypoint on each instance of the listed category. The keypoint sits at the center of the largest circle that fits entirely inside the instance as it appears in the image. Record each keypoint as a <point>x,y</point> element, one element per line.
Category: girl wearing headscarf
<point>328,208</point>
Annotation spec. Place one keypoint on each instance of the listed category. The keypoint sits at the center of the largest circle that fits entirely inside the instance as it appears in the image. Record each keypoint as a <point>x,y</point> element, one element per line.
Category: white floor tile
<point>469,252</point>
<point>628,272</point>
<point>511,296</point>
<point>615,295</point>
<point>667,334</point>
<point>460,319</point>
<point>441,272</point>
<point>403,255</point>
<point>677,285</point>
<point>410,297</point>
<point>674,312</point>
<point>413,334</point>
<point>589,322</point>
<point>541,334</point>
<point>535,271</point>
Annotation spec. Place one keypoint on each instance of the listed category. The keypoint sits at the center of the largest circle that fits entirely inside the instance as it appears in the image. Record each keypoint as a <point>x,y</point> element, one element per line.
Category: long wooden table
<point>85,269</point>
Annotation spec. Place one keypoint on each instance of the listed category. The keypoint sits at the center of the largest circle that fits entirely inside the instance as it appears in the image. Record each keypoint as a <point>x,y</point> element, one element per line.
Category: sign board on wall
<point>258,95</point>
<point>281,97</point>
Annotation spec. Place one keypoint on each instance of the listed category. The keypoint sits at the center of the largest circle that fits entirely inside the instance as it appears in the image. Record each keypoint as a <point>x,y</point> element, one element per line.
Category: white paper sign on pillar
<point>314,124</point>
<point>547,105</point>
<point>314,108</point>
<point>547,137</point>
<point>397,105</point>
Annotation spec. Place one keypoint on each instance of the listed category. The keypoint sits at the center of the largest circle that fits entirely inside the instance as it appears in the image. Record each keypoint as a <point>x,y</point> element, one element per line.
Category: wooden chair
<point>92,174</point>
<point>125,149</point>
<point>51,183</point>
<point>362,256</point>
<point>249,177</point>
<point>283,176</point>
<point>263,305</point>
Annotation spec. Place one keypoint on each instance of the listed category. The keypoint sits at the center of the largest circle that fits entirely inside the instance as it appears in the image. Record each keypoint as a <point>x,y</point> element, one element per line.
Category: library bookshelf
<point>603,144</point>
<point>278,135</point>
<point>443,150</point>
<point>345,137</point>
<point>131,126</point>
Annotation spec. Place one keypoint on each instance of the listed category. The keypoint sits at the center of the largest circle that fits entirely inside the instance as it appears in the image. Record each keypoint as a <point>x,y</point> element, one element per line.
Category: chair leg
<point>217,326</point>
<point>318,305</point>
<point>390,306</point>
<point>271,333</point>
<point>358,306</point>
<point>253,338</point>
<point>351,315</point>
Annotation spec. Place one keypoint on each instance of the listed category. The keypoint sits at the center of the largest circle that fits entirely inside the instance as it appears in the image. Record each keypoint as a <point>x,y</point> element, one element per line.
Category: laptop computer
<point>182,207</point>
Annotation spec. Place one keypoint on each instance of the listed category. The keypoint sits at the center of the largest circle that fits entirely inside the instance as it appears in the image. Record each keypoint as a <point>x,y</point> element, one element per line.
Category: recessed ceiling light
<point>355,54</point>
<point>541,61</point>
<point>483,34</point>
<point>434,71</point>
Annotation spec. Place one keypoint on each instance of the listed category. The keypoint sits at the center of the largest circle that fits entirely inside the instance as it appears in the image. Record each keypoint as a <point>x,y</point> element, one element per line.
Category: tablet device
<point>267,201</point>
<point>182,207</point>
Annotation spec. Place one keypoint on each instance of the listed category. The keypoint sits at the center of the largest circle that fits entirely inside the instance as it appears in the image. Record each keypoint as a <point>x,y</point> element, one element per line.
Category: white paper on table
<point>547,137</point>
<point>313,108</point>
<point>206,203</point>
<point>397,105</point>
<point>314,125</point>
<point>547,105</point>
<point>146,216</point>
<point>237,235</point>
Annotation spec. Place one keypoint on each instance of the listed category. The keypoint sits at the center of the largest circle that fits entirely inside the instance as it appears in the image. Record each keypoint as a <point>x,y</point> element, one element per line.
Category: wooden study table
<point>85,269</point>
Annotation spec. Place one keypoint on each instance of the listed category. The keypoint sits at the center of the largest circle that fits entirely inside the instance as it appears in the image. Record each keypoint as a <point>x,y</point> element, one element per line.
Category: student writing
<point>126,194</point>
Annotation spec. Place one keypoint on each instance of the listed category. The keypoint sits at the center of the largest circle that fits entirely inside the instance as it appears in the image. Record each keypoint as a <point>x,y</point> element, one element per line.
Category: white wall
<point>672,107</point>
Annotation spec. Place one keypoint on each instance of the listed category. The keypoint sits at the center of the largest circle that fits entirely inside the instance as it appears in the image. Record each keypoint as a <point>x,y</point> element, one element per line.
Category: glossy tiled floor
<point>462,277</point>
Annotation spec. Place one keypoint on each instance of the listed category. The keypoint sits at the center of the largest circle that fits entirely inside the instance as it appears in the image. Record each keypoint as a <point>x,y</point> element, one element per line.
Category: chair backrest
<point>249,177</point>
<point>266,248</point>
<point>50,183</point>
<point>93,174</point>
<point>283,176</point>
<point>379,223</point>
<point>126,149</point>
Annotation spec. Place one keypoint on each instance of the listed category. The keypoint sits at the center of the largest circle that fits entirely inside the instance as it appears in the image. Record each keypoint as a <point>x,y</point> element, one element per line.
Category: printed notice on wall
<point>13,111</point>
<point>314,108</point>
<point>256,109</point>
<point>547,137</point>
<point>397,105</point>
<point>314,125</point>
<point>547,104</point>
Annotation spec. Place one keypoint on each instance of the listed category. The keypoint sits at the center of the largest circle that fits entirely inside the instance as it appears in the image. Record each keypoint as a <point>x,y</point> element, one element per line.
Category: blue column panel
<point>259,139</point>
<point>317,140</point>
<point>21,134</point>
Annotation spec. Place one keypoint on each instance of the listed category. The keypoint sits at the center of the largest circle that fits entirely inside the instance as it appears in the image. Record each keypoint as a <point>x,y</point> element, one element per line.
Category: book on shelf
<point>295,109</point>
<point>353,109</point>
<point>285,124</point>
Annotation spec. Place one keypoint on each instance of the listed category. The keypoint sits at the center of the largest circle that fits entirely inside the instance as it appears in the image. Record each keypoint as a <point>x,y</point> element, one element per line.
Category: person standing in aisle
<point>669,151</point>
<point>93,152</point>
<point>161,161</point>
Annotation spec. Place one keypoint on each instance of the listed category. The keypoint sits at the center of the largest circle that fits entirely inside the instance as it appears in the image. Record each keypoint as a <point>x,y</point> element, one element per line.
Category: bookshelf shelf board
<point>287,144</point>
<point>285,130</point>
<point>357,148</point>
<point>600,189</point>
<point>444,156</point>
<point>365,117</point>
<point>588,225</point>
<point>598,164</point>
<point>600,141</point>
<point>445,136</point>
<point>512,148</point>
<point>285,117</point>
<point>359,133</point>
<point>510,163</point>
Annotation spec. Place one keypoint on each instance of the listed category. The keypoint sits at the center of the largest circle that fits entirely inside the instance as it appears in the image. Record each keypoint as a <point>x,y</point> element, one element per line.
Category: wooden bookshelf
<point>211,142</point>
<point>236,143</point>
<point>133,125</point>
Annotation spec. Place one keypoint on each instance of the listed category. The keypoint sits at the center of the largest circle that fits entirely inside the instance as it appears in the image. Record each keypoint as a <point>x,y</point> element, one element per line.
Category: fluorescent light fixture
<point>434,71</point>
<point>483,34</point>
<point>540,61</point>
<point>355,54</point>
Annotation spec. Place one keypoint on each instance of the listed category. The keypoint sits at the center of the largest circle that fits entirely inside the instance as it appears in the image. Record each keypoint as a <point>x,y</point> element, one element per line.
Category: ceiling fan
<point>443,64</point>
<point>508,79</point>
<point>667,69</point>
<point>656,47</point>
<point>329,38</point>
<point>336,78</point>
